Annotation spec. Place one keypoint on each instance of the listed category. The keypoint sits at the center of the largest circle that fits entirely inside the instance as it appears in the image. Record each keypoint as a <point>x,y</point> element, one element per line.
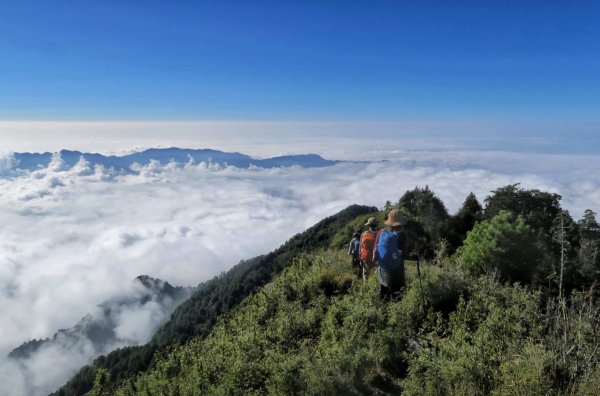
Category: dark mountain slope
<point>99,329</point>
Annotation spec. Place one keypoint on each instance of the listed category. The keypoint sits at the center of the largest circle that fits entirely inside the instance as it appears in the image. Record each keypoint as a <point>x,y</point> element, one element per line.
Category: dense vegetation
<point>197,315</point>
<point>509,306</point>
<point>317,330</point>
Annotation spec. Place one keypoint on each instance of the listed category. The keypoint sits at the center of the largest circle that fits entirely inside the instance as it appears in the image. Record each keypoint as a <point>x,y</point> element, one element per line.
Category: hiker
<point>354,251</point>
<point>367,245</point>
<point>388,256</point>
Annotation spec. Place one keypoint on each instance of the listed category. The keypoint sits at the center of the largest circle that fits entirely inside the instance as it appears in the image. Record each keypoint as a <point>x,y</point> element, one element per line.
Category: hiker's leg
<point>395,292</point>
<point>383,291</point>
<point>356,267</point>
<point>398,285</point>
<point>402,279</point>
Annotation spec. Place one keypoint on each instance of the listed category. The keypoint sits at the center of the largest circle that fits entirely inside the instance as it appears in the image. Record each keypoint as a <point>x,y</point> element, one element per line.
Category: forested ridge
<point>508,306</point>
<point>197,315</point>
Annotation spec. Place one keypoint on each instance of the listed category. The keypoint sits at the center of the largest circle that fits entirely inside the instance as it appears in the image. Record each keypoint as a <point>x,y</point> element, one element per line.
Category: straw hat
<point>394,218</point>
<point>371,222</point>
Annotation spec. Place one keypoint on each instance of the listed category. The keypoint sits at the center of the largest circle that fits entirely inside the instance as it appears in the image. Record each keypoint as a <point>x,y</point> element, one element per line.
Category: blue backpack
<point>389,257</point>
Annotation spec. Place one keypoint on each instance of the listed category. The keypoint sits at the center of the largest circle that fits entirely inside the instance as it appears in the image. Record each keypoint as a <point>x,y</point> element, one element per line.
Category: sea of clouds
<point>71,238</point>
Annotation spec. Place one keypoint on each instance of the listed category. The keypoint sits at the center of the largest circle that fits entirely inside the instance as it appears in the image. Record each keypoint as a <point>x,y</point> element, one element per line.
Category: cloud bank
<point>74,237</point>
<point>130,318</point>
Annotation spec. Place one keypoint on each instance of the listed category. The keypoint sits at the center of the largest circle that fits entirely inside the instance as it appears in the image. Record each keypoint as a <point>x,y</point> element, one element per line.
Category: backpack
<point>389,256</point>
<point>367,244</point>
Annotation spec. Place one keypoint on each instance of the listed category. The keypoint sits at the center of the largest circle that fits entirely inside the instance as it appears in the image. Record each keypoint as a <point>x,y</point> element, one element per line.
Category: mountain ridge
<point>297,320</point>
<point>127,163</point>
<point>101,330</point>
<point>198,314</point>
<point>156,289</point>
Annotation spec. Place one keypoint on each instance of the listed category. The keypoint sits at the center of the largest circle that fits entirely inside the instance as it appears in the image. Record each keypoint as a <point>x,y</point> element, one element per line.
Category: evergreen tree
<point>504,244</point>
<point>102,384</point>
<point>422,206</point>
<point>588,226</point>
<point>589,250</point>
<point>539,209</point>
<point>387,207</point>
<point>460,224</point>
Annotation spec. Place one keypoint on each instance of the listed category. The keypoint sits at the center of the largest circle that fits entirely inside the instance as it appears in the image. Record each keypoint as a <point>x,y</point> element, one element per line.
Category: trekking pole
<point>420,282</point>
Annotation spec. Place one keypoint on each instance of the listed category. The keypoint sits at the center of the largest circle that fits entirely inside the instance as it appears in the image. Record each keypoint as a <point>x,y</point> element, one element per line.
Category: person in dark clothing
<point>388,256</point>
<point>354,251</point>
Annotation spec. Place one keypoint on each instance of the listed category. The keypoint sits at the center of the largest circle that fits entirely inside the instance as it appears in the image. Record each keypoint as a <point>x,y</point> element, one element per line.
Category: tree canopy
<point>503,243</point>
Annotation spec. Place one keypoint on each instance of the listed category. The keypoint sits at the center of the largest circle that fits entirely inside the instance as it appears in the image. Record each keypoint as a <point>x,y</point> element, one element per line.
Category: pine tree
<point>539,209</point>
<point>424,207</point>
<point>460,224</point>
<point>589,250</point>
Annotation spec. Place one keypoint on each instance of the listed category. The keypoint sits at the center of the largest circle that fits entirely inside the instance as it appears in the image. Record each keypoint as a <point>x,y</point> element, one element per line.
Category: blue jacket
<point>354,248</point>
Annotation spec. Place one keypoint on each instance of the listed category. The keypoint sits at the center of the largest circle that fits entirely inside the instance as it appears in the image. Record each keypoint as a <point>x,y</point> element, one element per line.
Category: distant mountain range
<point>32,161</point>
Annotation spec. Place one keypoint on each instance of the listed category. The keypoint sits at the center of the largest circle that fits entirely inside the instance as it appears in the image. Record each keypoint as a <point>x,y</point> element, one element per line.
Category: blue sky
<point>372,60</point>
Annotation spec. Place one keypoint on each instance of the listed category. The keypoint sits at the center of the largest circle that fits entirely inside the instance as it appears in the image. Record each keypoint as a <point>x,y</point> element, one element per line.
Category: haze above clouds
<point>335,139</point>
<point>74,237</point>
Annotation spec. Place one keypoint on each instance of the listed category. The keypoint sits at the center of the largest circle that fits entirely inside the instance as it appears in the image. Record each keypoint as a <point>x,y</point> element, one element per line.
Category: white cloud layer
<point>72,238</point>
<point>129,318</point>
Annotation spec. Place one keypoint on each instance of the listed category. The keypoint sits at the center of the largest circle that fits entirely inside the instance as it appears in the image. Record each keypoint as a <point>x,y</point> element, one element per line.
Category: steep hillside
<point>197,315</point>
<point>317,330</point>
<point>508,305</point>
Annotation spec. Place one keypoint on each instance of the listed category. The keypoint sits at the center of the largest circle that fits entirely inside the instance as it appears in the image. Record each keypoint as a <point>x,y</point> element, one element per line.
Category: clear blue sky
<point>313,60</point>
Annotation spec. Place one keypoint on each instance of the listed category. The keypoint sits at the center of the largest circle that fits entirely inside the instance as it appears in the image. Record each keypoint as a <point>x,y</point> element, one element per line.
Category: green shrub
<point>444,288</point>
<point>466,355</point>
<point>504,244</point>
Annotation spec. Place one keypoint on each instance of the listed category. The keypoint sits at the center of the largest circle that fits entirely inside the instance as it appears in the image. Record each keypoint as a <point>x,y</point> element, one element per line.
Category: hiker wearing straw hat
<point>388,255</point>
<point>354,251</point>
<point>367,245</point>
